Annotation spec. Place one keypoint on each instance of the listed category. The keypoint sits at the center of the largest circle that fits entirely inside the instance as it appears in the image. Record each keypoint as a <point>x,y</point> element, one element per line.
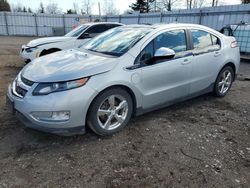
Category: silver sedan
<point>124,72</point>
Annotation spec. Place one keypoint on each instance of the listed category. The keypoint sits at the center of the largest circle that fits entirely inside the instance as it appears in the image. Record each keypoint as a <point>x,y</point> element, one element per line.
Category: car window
<point>201,39</point>
<point>110,26</point>
<point>77,31</point>
<point>97,28</point>
<point>215,40</point>
<point>175,40</point>
<point>117,41</point>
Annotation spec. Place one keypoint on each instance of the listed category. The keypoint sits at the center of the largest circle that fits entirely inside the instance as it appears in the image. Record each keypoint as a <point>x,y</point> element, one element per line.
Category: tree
<point>245,1</point>
<point>24,9</point>
<point>41,8</point>
<point>52,8</point>
<point>142,5</point>
<point>75,8</point>
<point>29,10</point>
<point>4,5</point>
<point>109,8</point>
<point>215,3</point>
<point>86,7</point>
<point>166,5</point>
<point>70,11</point>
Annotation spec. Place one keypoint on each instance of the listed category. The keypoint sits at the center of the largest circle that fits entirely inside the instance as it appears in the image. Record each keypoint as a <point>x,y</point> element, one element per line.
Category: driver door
<point>167,80</point>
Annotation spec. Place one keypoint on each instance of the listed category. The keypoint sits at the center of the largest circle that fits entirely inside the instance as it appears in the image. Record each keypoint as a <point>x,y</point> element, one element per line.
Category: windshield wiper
<point>106,53</point>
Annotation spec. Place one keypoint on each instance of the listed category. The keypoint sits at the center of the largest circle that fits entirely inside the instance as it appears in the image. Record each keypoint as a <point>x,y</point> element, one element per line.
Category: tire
<point>224,81</point>
<point>110,111</point>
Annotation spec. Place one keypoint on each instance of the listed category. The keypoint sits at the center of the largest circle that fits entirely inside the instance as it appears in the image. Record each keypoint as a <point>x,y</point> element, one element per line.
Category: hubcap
<point>225,82</point>
<point>112,112</point>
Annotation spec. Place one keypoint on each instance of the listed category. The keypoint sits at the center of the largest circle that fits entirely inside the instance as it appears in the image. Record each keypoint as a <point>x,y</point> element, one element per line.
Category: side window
<point>110,26</point>
<point>146,54</point>
<point>215,40</point>
<point>175,40</point>
<point>201,39</point>
<point>96,29</point>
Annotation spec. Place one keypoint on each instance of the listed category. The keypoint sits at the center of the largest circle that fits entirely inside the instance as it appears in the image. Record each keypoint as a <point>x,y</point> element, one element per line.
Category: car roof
<point>162,26</point>
<point>98,23</point>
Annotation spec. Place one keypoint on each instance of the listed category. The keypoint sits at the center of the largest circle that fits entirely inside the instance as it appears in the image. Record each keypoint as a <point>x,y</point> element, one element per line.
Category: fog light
<point>51,116</point>
<point>60,116</point>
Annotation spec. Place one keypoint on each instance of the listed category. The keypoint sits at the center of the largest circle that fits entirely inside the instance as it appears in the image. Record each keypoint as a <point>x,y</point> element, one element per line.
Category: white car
<point>73,39</point>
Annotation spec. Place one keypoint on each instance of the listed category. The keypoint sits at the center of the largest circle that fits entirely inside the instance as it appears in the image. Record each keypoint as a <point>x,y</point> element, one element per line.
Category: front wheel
<point>110,111</point>
<point>224,81</point>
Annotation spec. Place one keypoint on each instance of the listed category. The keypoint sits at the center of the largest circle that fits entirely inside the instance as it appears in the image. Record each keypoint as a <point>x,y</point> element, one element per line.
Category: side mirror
<point>164,53</point>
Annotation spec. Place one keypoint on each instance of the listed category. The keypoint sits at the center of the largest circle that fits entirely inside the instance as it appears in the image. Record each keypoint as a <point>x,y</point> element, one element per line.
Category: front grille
<point>26,81</point>
<point>20,91</point>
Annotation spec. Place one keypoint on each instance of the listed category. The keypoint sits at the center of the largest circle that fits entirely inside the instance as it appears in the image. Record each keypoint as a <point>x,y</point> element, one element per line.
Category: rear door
<point>207,55</point>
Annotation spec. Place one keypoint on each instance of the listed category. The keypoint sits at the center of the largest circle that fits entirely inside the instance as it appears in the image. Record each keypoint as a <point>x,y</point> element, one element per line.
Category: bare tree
<point>17,7</point>
<point>86,7</point>
<point>75,7</point>
<point>41,8</point>
<point>166,5</point>
<point>52,8</point>
<point>199,3</point>
<point>109,8</point>
<point>215,3</point>
<point>245,1</point>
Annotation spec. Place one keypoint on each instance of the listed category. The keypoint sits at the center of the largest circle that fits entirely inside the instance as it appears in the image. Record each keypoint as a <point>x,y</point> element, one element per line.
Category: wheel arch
<point>232,65</point>
<point>124,87</point>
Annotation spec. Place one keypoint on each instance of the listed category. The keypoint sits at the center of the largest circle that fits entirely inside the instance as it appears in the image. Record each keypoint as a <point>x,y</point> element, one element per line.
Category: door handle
<point>216,54</point>
<point>185,62</point>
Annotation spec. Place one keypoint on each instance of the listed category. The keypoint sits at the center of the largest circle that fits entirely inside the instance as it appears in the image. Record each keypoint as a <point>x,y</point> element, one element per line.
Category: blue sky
<point>121,5</point>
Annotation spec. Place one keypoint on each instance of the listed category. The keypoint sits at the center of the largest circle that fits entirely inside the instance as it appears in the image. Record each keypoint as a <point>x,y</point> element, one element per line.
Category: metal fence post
<point>36,26</point>
<point>200,17</point>
<point>64,24</point>
<point>6,22</point>
<point>120,18</point>
<point>161,17</point>
<point>138,21</point>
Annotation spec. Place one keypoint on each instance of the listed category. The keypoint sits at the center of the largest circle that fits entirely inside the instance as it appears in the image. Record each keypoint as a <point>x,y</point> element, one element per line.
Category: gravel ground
<point>203,142</point>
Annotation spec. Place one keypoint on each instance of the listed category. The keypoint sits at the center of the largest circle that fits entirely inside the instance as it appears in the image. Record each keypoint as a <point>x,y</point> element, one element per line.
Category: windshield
<point>77,31</point>
<point>117,41</point>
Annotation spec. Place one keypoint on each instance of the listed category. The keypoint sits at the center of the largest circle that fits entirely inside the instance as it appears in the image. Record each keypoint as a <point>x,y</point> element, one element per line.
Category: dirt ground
<point>203,142</point>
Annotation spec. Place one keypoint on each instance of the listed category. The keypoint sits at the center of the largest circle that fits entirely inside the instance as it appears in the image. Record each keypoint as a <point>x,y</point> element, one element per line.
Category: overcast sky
<point>121,5</point>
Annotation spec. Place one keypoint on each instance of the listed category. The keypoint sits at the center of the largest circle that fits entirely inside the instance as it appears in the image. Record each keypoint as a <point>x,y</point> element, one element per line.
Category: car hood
<point>47,40</point>
<point>67,65</point>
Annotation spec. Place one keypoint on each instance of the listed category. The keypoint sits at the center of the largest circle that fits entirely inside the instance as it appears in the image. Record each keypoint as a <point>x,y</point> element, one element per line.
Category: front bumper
<point>76,101</point>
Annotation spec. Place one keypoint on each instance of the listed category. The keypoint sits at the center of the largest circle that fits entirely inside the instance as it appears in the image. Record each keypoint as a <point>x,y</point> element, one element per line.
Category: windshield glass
<point>117,41</point>
<point>77,31</point>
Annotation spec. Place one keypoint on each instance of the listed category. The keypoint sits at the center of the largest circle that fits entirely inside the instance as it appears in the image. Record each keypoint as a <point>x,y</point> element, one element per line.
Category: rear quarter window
<point>201,39</point>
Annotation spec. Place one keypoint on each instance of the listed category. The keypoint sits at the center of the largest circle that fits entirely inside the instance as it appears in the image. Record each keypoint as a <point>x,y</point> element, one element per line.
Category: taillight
<point>234,44</point>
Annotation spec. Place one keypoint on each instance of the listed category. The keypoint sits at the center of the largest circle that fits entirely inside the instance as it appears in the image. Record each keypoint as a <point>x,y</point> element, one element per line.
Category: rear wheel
<point>224,81</point>
<point>110,111</point>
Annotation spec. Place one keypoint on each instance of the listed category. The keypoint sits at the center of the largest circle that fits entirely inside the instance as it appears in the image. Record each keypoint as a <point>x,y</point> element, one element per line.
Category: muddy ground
<point>203,142</point>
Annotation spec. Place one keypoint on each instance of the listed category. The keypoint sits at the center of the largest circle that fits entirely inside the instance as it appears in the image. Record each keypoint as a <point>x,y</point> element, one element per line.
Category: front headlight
<point>47,88</point>
<point>30,49</point>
